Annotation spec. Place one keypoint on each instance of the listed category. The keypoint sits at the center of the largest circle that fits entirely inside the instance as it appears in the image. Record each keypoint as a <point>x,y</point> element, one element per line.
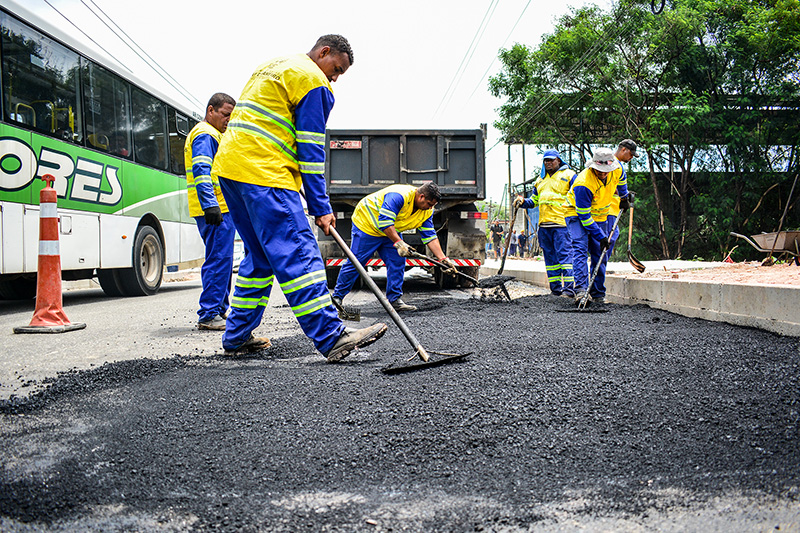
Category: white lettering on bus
<point>59,165</point>
<point>26,161</point>
<point>87,175</point>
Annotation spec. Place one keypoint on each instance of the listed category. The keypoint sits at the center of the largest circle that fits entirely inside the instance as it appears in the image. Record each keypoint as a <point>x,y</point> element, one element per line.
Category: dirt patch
<point>749,273</point>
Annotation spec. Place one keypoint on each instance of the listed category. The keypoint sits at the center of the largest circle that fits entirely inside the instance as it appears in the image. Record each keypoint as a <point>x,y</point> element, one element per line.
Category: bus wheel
<point>110,281</point>
<point>144,279</point>
<point>22,288</point>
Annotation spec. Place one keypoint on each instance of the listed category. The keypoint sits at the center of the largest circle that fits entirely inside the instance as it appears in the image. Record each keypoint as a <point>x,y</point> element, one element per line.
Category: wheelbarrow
<point>781,241</point>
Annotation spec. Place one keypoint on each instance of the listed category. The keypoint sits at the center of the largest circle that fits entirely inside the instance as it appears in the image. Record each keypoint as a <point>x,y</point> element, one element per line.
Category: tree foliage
<point>709,88</point>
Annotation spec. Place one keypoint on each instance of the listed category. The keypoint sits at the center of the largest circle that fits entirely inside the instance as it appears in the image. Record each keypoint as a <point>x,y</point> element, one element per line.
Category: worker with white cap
<point>589,201</point>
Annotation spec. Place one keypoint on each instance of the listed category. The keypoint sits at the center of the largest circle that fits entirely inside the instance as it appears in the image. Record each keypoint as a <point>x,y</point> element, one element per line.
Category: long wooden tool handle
<point>379,295</point>
<point>508,242</point>
<point>630,227</point>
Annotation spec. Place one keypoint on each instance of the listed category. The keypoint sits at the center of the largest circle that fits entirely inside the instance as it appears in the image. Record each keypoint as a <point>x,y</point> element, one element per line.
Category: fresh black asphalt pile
<point>556,418</point>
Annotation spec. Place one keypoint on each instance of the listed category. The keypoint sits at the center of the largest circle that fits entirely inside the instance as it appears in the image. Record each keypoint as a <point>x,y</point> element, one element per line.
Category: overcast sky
<point>418,64</point>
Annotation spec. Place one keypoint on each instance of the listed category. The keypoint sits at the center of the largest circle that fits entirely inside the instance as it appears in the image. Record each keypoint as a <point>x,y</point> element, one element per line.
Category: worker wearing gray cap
<point>626,150</point>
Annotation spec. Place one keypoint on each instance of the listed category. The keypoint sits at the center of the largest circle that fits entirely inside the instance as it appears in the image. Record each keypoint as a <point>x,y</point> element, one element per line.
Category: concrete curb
<point>769,307</point>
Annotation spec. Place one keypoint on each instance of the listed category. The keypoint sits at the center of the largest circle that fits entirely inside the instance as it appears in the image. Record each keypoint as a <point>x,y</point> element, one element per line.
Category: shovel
<point>585,299</point>
<point>485,283</point>
<point>635,263</point>
<point>418,349</point>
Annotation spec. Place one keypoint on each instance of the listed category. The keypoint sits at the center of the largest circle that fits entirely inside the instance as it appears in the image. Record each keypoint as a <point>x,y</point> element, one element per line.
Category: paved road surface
<point>629,420</point>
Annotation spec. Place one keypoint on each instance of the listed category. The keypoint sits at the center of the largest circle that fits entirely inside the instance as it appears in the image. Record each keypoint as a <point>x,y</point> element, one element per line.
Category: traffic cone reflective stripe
<point>49,316</point>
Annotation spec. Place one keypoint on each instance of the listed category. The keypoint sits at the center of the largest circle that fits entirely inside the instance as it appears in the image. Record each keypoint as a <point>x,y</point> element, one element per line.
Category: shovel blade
<point>419,365</point>
<point>635,263</point>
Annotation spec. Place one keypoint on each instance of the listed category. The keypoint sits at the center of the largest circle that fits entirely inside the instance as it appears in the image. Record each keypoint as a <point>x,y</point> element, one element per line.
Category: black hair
<point>217,100</point>
<point>337,43</point>
<point>430,191</point>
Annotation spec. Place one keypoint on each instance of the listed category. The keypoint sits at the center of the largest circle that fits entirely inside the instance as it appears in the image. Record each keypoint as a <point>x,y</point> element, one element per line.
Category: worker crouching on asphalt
<point>589,201</point>
<point>550,194</point>
<point>378,220</point>
<point>275,143</point>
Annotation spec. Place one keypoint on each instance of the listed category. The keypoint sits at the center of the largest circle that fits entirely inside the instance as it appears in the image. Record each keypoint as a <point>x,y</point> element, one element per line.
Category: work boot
<point>598,299</point>
<point>400,306</point>
<point>251,345</point>
<point>217,323</point>
<point>355,338</point>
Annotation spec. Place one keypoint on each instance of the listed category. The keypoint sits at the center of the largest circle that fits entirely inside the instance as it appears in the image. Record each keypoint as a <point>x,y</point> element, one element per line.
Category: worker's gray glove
<point>403,249</point>
<point>213,215</point>
<point>451,266</point>
<point>518,201</point>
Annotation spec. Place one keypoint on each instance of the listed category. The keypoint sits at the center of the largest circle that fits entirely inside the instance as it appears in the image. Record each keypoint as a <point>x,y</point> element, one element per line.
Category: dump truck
<point>360,162</point>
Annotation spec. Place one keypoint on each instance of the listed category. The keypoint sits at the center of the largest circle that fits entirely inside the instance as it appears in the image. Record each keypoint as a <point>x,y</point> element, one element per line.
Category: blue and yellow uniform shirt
<point>198,155</point>
<point>590,199</point>
<point>276,134</point>
<point>614,208</point>
<point>550,194</point>
<point>393,206</point>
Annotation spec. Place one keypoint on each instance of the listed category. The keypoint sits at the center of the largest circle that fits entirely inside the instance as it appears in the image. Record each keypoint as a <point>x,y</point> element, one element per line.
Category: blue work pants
<point>363,246</point>
<point>217,268</point>
<point>556,246</point>
<point>279,245</point>
<point>583,245</point>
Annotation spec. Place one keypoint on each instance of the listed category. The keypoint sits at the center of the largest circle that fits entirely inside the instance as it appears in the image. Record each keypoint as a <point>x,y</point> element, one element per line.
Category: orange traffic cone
<point>49,316</point>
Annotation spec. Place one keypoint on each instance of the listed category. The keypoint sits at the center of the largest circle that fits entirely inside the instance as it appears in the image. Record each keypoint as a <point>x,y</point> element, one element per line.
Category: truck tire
<point>144,279</point>
<point>332,274</point>
<point>472,272</point>
<point>444,281</point>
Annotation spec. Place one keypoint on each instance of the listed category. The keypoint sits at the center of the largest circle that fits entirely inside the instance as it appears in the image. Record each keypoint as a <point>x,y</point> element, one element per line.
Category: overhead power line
<point>152,63</point>
<point>467,55</point>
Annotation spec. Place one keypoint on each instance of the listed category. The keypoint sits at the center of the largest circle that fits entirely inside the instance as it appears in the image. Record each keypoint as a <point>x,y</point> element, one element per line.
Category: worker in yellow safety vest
<point>550,194</point>
<point>626,150</point>
<point>274,145</point>
<point>588,206</point>
<point>378,221</point>
<point>207,206</point>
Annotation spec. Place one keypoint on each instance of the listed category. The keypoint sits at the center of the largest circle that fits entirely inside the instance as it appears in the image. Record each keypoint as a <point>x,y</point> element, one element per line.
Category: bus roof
<point>180,101</point>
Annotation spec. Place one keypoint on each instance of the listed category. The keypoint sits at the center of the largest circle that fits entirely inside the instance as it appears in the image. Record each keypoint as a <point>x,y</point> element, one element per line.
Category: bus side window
<point>150,136</point>
<point>178,131</point>
<point>40,82</point>
<point>108,111</point>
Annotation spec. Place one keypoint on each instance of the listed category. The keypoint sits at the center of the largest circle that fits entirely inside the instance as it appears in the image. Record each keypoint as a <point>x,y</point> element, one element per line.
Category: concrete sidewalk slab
<point>773,308</point>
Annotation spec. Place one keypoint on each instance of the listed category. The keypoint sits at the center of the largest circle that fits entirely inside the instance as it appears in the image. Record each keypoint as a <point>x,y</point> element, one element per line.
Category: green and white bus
<point>115,147</point>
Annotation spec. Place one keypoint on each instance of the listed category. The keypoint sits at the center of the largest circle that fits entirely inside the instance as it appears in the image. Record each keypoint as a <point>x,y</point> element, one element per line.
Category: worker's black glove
<point>213,215</point>
<point>604,243</point>
<point>624,204</point>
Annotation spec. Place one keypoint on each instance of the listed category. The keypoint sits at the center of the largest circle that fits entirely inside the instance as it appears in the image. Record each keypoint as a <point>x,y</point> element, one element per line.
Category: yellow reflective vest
<point>602,194</point>
<point>260,144</point>
<point>368,212</point>
<point>552,195</point>
<point>201,163</point>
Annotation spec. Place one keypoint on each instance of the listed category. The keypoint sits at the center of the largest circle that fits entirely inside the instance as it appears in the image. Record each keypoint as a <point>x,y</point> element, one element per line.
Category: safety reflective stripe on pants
<point>251,283</point>
<point>313,305</point>
<point>303,281</point>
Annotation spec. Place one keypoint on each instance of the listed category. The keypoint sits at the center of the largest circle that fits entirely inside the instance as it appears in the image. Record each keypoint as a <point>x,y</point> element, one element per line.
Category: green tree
<point>708,87</point>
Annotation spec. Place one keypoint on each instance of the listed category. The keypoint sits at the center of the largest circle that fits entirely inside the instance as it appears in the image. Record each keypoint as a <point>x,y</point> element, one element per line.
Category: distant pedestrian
<point>522,241</point>
<point>514,240</point>
<point>496,230</point>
